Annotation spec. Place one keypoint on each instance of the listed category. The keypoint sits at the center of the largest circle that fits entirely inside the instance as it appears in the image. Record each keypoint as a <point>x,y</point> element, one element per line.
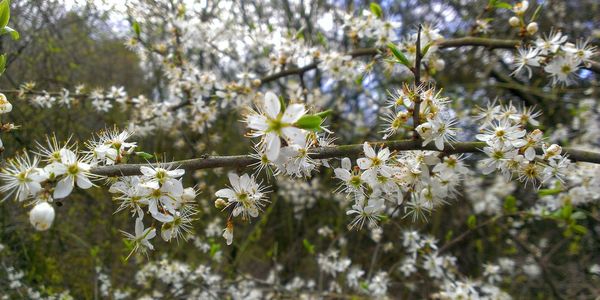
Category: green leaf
<point>549,192</point>
<point>4,13</point>
<point>472,222</point>
<point>321,39</point>
<point>566,211</point>
<point>13,33</point>
<point>579,229</point>
<point>136,28</point>
<point>214,248</point>
<point>536,13</point>
<point>578,215</point>
<point>282,102</point>
<point>501,4</point>
<point>310,122</point>
<point>2,63</point>
<point>424,51</point>
<point>376,9</point>
<point>300,33</point>
<point>144,155</point>
<point>510,204</point>
<point>324,114</point>
<point>399,56</point>
<point>310,248</point>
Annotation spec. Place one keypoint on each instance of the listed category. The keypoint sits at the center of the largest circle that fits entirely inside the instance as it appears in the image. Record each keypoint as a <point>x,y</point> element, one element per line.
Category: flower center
<point>376,161</point>
<point>275,125</point>
<point>73,169</point>
<point>355,181</point>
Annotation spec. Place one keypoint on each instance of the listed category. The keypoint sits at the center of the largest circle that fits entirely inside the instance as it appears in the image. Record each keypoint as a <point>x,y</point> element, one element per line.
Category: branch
<point>359,52</point>
<point>449,43</point>
<point>417,74</point>
<point>480,42</point>
<point>354,150</point>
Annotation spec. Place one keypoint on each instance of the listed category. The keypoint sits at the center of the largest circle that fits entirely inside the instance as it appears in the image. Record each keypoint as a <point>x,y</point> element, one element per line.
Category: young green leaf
<point>144,155</point>
<point>376,9</point>
<point>324,114</point>
<point>2,63</point>
<point>549,192</point>
<point>13,33</point>
<point>502,4</point>
<point>510,204</point>
<point>282,102</point>
<point>536,13</point>
<point>472,222</point>
<point>424,51</point>
<point>4,13</point>
<point>399,56</point>
<point>136,28</point>
<point>309,122</point>
<point>310,248</point>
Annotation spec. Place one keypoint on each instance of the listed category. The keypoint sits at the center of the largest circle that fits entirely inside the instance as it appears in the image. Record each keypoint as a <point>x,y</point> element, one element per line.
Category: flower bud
<point>189,194</point>
<point>220,203</point>
<point>514,21</point>
<point>532,28</point>
<point>228,232</point>
<point>42,216</point>
<point>5,106</point>
<point>439,64</point>
<point>167,231</point>
<point>552,151</point>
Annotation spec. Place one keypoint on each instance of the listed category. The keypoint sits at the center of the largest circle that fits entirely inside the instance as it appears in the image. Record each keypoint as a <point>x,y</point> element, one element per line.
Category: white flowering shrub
<point>292,149</point>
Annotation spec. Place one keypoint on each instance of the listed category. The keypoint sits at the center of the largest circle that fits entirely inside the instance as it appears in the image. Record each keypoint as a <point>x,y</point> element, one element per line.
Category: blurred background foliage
<point>62,48</point>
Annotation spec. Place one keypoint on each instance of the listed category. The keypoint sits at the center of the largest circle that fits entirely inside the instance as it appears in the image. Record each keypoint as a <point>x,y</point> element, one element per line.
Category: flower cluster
<point>438,120</point>
<point>160,191</point>
<point>5,107</point>
<point>24,179</point>
<point>430,35</point>
<point>519,19</point>
<point>286,138</point>
<point>514,151</point>
<point>560,59</point>
<point>422,254</point>
<point>418,179</point>
<point>245,198</point>
<point>371,26</point>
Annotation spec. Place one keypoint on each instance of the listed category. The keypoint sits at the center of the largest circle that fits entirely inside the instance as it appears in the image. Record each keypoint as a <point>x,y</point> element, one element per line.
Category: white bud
<point>189,194</point>
<point>167,231</point>
<point>553,151</point>
<point>514,21</point>
<point>42,216</point>
<point>439,64</point>
<point>424,130</point>
<point>220,203</point>
<point>532,28</point>
<point>5,106</point>
<point>228,233</point>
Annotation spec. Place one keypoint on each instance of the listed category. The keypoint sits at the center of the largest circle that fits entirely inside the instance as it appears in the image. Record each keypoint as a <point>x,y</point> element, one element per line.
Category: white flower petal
<point>293,113</point>
<point>63,188</point>
<point>272,105</point>
<point>83,182</point>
